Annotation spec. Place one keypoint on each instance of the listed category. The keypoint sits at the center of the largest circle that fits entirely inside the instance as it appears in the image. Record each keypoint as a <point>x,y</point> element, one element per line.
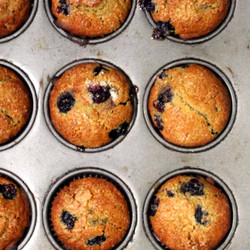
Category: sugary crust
<point>88,124</point>
<point>99,208</point>
<point>92,18</point>
<point>191,18</point>
<point>15,104</point>
<point>200,107</point>
<point>14,217</point>
<point>13,13</point>
<point>175,224</point>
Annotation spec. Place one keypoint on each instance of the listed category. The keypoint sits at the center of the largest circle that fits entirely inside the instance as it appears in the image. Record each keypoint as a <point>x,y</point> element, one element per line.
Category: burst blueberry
<point>158,122</point>
<point>170,193</point>
<point>98,69</point>
<point>154,207</point>
<point>162,30</point>
<point>63,7</point>
<point>121,130</point>
<point>194,187</point>
<point>65,102</point>
<point>98,240</point>
<point>163,98</point>
<point>199,214</point>
<point>68,219</point>
<point>8,191</point>
<point>147,5</point>
<point>100,93</point>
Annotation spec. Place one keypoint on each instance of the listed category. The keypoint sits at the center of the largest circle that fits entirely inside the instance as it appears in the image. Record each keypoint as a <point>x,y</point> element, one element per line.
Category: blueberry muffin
<point>186,18</point>
<point>13,13</point>
<point>90,105</point>
<point>14,214</point>
<point>15,104</point>
<point>90,18</point>
<point>189,105</point>
<point>190,213</point>
<point>90,213</point>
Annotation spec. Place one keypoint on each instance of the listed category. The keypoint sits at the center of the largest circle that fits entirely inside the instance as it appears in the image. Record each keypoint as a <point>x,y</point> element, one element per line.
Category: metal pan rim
<point>231,120</point>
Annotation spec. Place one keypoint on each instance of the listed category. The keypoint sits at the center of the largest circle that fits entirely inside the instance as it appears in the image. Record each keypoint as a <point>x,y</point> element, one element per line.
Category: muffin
<point>13,13</point>
<point>15,104</point>
<point>90,105</point>
<point>186,18</point>
<point>189,105</point>
<point>190,213</point>
<point>14,213</point>
<point>90,213</point>
<point>90,18</point>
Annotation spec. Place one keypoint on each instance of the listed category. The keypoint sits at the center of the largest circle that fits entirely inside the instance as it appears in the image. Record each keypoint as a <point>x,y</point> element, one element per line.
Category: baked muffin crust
<point>90,18</point>
<point>15,104</point>
<point>190,213</point>
<point>90,213</point>
<point>189,105</point>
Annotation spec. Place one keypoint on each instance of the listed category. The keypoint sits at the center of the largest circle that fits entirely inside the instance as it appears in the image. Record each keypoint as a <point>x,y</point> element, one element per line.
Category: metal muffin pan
<point>139,160</point>
<point>47,114</point>
<point>194,172</point>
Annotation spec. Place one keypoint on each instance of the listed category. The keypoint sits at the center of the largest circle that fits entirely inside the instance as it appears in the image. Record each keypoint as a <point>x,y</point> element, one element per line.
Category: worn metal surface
<point>139,160</point>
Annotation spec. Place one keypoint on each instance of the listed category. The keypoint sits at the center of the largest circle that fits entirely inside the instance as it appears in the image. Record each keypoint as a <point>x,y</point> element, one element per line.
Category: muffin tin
<point>139,160</point>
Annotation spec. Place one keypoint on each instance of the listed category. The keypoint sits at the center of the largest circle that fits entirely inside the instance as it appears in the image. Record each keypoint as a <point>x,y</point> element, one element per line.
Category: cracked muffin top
<point>190,213</point>
<point>90,213</point>
<point>187,18</point>
<point>90,105</point>
<point>90,18</point>
<point>14,214</point>
<point>189,105</point>
<point>13,13</point>
<point>15,104</point>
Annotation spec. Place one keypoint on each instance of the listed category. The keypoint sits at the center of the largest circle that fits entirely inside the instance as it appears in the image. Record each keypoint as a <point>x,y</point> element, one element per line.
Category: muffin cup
<point>194,172</point>
<point>47,113</point>
<point>25,130</point>
<point>83,41</point>
<point>25,25</point>
<point>231,119</point>
<point>65,179</point>
<point>220,28</point>
<point>29,231</point>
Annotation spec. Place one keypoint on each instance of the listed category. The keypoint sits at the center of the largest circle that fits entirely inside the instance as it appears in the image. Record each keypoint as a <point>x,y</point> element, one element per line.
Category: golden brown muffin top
<point>190,213</point>
<point>90,18</point>
<point>191,18</point>
<point>90,213</point>
<point>13,13</point>
<point>88,102</point>
<point>14,213</point>
<point>189,105</point>
<point>15,104</point>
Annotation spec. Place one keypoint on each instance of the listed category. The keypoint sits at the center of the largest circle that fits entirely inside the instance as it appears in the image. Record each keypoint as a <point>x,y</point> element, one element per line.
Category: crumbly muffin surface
<point>90,105</point>
<point>191,18</point>
<point>90,213</point>
<point>14,213</point>
<point>90,18</point>
<point>190,213</point>
<point>189,105</point>
<point>15,104</point>
<point>13,13</point>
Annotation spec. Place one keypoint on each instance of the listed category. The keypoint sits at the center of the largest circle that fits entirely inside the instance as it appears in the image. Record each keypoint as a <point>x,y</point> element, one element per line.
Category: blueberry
<point>199,215</point>
<point>80,148</point>
<point>163,98</point>
<point>153,207</point>
<point>184,66</point>
<point>121,130</point>
<point>98,240</point>
<point>163,75</point>
<point>100,93</point>
<point>63,7</point>
<point>98,69</point>
<point>159,122</point>
<point>65,102</point>
<point>68,219</point>
<point>162,30</point>
<point>169,193</point>
<point>8,191</point>
<point>194,187</point>
<point>147,5</point>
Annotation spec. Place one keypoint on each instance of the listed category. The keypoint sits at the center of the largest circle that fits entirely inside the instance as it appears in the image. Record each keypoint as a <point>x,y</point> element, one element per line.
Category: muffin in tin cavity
<point>17,212</point>
<point>190,105</point>
<point>17,98</point>
<point>89,209</point>
<point>188,21</point>
<point>190,209</point>
<point>90,21</point>
<point>15,17</point>
<point>91,105</point>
